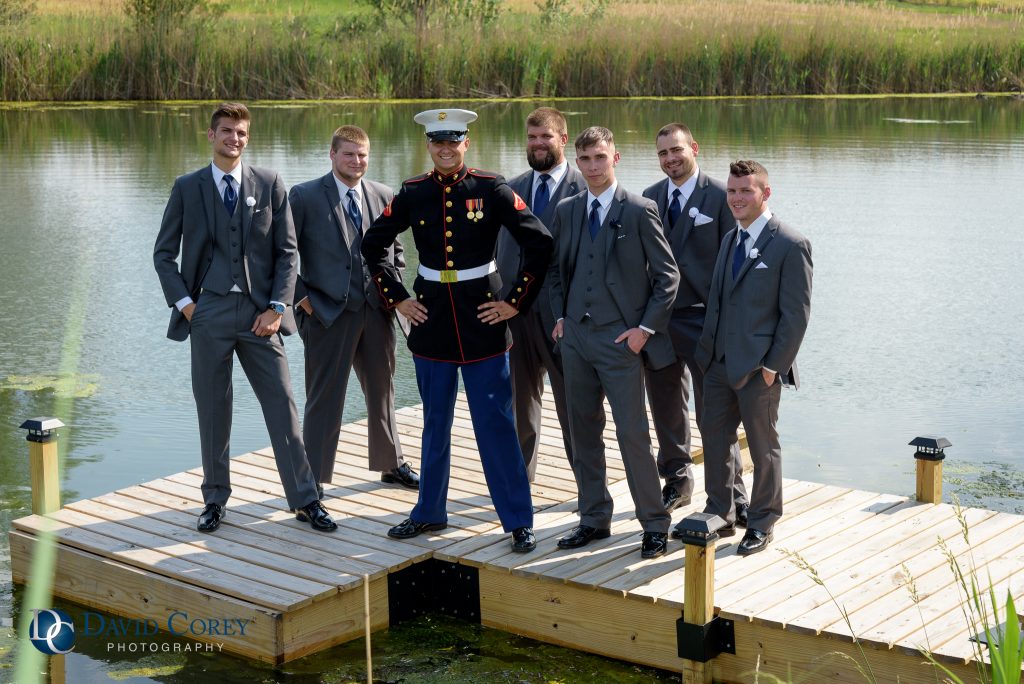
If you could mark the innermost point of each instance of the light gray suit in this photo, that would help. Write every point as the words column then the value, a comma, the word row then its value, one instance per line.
column 349, row 326
column 695, row 249
column 255, row 250
column 754, row 321
column 601, row 288
column 532, row 351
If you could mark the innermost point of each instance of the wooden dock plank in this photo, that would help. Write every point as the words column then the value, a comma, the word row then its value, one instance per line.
column 78, row 533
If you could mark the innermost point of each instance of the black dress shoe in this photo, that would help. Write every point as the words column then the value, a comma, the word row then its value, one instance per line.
column 581, row 536
column 672, row 499
column 408, row 529
column 403, row 475
column 754, row 541
column 727, row 531
column 210, row 518
column 523, row 540
column 654, row 545
column 316, row 515
column 741, row 515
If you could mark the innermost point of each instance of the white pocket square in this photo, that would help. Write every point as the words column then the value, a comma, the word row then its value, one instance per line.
column 761, row 265
column 701, row 219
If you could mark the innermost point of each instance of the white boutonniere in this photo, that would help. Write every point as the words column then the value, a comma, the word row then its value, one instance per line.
column 699, row 219
column 754, row 253
column 250, row 202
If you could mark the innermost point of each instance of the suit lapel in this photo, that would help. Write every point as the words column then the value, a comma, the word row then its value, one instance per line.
column 696, row 200
column 334, row 202
column 567, row 188
column 250, row 188
column 661, row 197
column 614, row 214
column 579, row 224
column 766, row 236
column 205, row 186
column 370, row 206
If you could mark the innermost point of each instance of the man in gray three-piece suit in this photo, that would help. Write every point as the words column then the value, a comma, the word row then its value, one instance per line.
column 757, row 314
column 549, row 180
column 232, row 226
column 613, row 281
column 341, row 319
column 696, row 217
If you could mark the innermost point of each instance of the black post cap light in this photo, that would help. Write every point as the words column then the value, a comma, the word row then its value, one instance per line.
column 930, row 448
column 700, row 529
column 41, row 429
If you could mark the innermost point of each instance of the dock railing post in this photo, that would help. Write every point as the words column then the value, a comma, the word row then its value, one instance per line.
column 42, row 463
column 929, row 456
column 700, row 634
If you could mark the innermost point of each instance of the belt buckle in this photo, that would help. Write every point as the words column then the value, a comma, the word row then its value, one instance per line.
column 449, row 276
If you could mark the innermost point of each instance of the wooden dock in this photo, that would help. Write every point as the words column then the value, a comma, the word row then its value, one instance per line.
column 135, row 552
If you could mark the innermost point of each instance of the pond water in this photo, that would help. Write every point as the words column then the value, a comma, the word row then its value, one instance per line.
column 910, row 204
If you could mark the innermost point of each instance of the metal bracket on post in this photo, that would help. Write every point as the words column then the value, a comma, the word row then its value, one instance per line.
column 701, row 643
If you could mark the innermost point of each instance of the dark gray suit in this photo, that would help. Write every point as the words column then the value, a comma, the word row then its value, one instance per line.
column 754, row 321
column 601, row 288
column 532, row 350
column 255, row 250
column 349, row 326
column 695, row 248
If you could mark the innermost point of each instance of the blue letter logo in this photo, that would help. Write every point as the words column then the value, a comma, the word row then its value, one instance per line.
column 51, row 631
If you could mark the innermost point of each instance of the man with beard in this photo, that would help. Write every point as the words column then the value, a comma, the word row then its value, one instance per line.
column 696, row 217
column 550, row 180
column 459, row 321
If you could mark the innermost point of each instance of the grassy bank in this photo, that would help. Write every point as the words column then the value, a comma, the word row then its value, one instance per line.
column 328, row 49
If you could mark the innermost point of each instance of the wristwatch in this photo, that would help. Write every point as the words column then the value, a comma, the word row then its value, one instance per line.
column 276, row 307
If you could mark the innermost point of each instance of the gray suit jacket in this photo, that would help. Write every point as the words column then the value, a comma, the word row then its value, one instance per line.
column 770, row 304
column 268, row 237
column 510, row 255
column 641, row 273
column 695, row 247
column 324, row 243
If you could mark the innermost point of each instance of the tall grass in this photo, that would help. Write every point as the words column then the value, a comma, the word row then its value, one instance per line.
column 636, row 49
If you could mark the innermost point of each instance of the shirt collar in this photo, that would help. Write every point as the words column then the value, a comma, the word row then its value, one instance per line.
column 687, row 188
column 236, row 174
column 557, row 173
column 605, row 198
column 343, row 189
column 754, row 231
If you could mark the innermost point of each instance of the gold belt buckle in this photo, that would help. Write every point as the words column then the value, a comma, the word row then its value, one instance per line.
column 449, row 276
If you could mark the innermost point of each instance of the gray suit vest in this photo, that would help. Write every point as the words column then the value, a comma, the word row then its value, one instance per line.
column 588, row 291
column 228, row 265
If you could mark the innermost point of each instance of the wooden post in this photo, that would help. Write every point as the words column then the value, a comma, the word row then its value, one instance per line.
column 42, row 461
column 929, row 457
column 699, row 603
column 929, row 481
column 698, row 630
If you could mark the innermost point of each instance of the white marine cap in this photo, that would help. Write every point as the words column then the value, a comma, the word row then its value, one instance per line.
column 446, row 124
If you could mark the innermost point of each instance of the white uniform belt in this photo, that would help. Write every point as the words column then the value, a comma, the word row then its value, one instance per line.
column 457, row 276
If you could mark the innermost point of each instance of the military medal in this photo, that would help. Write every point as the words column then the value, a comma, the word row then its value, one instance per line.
column 475, row 207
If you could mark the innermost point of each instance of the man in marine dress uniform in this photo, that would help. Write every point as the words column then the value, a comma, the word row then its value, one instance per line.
column 459, row 319
column 696, row 218
column 341, row 319
column 231, row 224
column 549, row 180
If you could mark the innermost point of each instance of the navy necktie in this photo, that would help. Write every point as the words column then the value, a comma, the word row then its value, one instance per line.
column 595, row 219
column 230, row 196
column 740, row 253
column 542, row 197
column 675, row 207
column 353, row 211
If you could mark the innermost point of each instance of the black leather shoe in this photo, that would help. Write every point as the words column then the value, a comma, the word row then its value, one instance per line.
column 403, row 475
column 523, row 540
column 210, row 518
column 581, row 536
column 316, row 515
column 727, row 531
column 672, row 499
column 408, row 529
column 654, row 545
column 753, row 542
column 741, row 515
